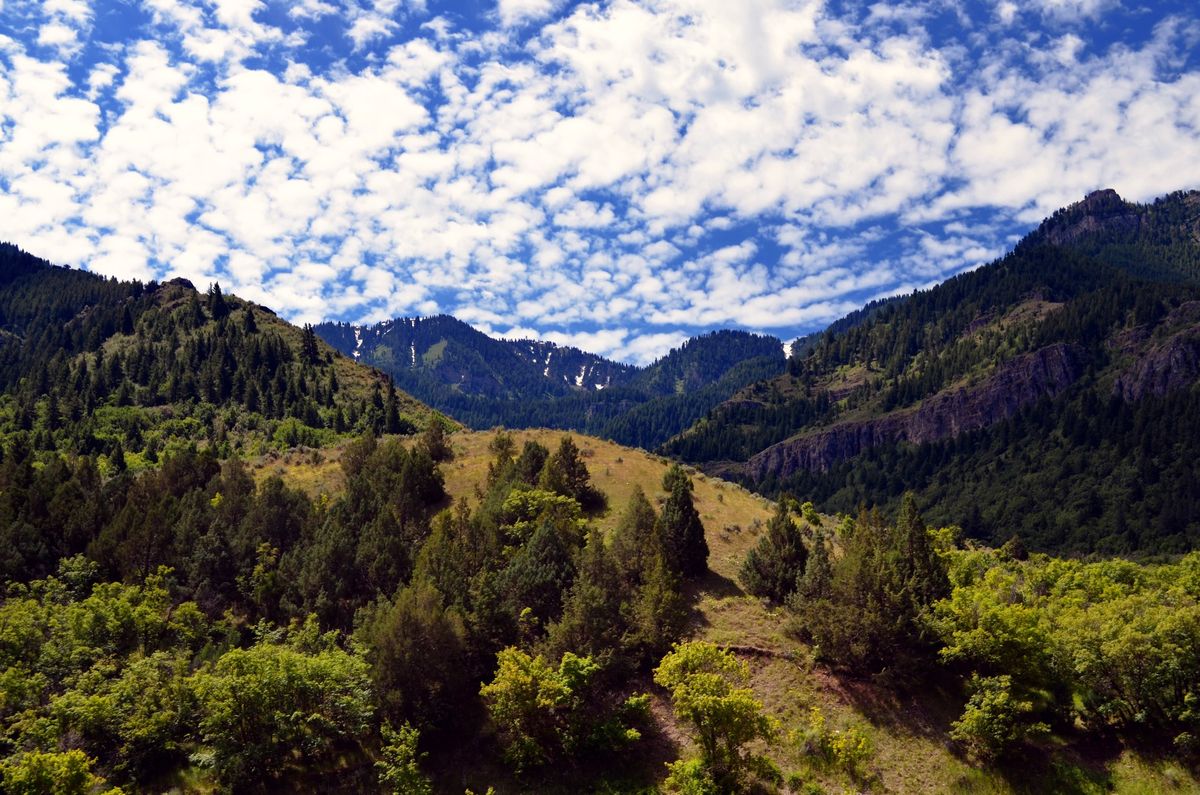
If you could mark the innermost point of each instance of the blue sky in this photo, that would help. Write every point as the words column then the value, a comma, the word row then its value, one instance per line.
column 616, row 175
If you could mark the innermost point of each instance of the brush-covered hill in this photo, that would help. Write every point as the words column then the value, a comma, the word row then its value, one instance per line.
column 485, row 382
column 838, row 730
column 1051, row 393
column 96, row 366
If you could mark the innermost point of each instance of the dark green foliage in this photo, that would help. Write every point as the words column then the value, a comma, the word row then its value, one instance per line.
column 682, row 533
column 592, row 622
column 1118, row 288
column 565, row 473
column 417, row 649
column 776, row 563
column 879, row 591
column 91, row 365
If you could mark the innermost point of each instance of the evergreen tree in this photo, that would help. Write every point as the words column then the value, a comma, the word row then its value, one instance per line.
column 774, row 565
column 684, row 545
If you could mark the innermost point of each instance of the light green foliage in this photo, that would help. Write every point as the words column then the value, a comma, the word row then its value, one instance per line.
column 399, row 769
column 263, row 704
column 690, row 777
column 994, row 720
column 1114, row 642
column 523, row 507
column 66, row 773
column 545, row 712
column 846, row 749
column 709, row 691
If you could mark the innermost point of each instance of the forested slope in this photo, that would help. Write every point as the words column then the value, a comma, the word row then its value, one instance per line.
column 1052, row 392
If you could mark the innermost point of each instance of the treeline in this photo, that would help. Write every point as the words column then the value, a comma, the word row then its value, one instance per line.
column 1040, row 645
column 190, row 618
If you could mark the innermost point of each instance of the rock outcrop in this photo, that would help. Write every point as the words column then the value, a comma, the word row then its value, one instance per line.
column 1169, row 365
column 1100, row 211
column 1016, row 383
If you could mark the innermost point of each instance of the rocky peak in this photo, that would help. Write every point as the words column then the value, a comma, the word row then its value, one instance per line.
column 1100, row 211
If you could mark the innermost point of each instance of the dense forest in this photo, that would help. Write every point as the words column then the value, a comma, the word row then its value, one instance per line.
column 123, row 371
column 947, row 393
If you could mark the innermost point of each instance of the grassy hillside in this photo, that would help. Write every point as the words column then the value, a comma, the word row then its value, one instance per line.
column 906, row 730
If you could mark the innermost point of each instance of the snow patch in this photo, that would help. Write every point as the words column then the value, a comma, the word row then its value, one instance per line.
column 579, row 378
column 787, row 350
column 357, row 342
column 412, row 348
column 546, row 372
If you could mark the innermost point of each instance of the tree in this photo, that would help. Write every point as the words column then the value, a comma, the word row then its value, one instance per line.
column 217, row 305
column 994, row 720
column 547, row 713
column 565, row 473
column 592, row 622
column 399, row 769
column 413, row 684
column 635, row 540
column 54, row 773
column 680, row 528
column 260, row 706
column 709, row 692
column 880, row 590
column 774, row 565
column 310, row 352
column 433, row 439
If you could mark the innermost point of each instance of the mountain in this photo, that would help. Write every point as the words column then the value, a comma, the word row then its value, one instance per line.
column 90, row 365
column 442, row 351
column 485, row 382
column 1051, row 393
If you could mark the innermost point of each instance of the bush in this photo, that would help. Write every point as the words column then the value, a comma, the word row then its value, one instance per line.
column 994, row 720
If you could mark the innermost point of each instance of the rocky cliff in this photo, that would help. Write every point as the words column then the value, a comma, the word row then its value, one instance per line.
column 1016, row 383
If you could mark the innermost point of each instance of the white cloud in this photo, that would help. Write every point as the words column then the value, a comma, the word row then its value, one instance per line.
column 679, row 164
column 517, row 12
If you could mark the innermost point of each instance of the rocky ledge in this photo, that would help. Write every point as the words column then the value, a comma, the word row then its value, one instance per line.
column 1016, row 383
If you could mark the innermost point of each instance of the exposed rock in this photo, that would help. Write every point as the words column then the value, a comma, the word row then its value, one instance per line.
column 1017, row 383
column 1102, row 210
column 1168, row 365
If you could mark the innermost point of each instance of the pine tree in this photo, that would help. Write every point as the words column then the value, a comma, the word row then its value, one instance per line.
column 774, row 565
column 685, row 547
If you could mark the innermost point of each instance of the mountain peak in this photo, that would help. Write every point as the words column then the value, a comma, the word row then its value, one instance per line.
column 1101, row 211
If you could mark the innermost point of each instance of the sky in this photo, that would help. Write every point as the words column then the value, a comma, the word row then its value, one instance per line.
column 617, row 175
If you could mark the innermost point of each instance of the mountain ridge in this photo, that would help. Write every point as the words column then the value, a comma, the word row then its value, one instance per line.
column 905, row 395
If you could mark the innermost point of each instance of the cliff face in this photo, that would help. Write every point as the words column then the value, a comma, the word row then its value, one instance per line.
column 1016, row 383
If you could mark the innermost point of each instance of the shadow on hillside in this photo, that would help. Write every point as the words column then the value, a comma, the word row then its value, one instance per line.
column 712, row 585
column 924, row 711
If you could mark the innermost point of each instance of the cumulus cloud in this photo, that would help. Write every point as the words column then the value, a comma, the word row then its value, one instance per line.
column 613, row 176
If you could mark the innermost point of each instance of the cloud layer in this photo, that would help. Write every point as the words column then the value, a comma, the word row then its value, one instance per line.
column 614, row 175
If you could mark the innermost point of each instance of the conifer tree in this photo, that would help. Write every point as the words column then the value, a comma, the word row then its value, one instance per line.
column 682, row 532
column 774, row 565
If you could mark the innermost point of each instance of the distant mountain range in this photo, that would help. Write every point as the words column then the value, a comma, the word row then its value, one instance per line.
column 485, row 382
column 1052, row 393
